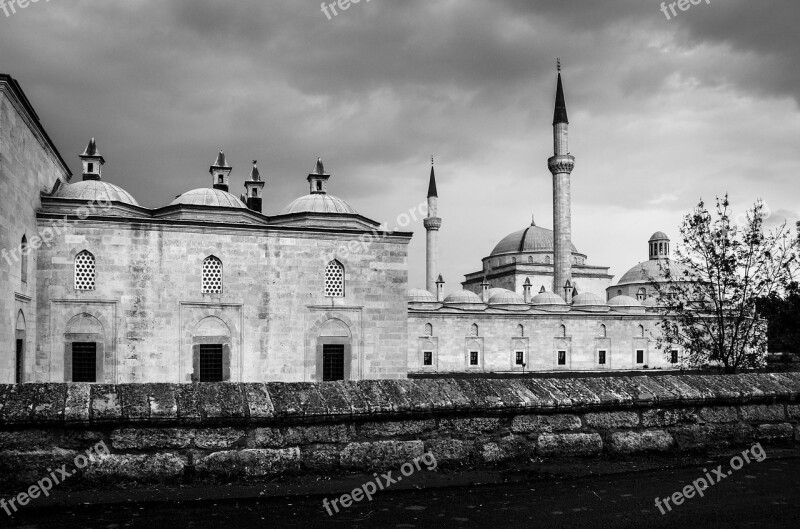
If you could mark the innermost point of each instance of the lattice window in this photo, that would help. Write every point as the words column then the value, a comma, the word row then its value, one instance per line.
column 24, row 261
column 473, row 331
column 520, row 330
column 428, row 329
column 212, row 275
column 334, row 280
column 84, row 271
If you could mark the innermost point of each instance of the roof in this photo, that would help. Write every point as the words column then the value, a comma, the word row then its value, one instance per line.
column 418, row 295
column 209, row 197
column 547, row 298
column 530, row 239
column 505, row 297
column 560, row 114
column 95, row 190
column 463, row 296
column 641, row 272
column 318, row 203
column 588, row 299
column 221, row 161
column 432, row 192
column 659, row 236
column 319, row 168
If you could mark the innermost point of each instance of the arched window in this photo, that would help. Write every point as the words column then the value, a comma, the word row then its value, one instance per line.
column 334, row 280
column 546, row 259
column 212, row 275
column 255, row 192
column 530, row 258
column 473, row 330
column 220, row 179
column 641, row 294
column 520, row 330
column 24, row 259
column 428, row 329
column 319, row 186
column 641, row 331
column 84, row 271
column 563, row 331
column 603, row 332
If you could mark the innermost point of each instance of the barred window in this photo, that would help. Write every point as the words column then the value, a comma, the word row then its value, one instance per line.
column 473, row 331
column 212, row 275
column 334, row 280
column 520, row 331
column 84, row 271
column 428, row 329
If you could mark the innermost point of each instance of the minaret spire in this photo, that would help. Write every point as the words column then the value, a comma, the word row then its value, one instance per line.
column 92, row 161
column 254, row 189
column 432, row 224
column 561, row 165
column 220, row 171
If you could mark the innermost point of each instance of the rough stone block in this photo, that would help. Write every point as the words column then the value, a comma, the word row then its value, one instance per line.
column 222, row 401
column 77, row 407
column 267, row 438
column 217, row 438
column 793, row 412
column 337, row 400
column 611, row 391
column 140, row 468
column 299, row 399
column 452, row 391
column 250, row 463
column 719, row 414
column 668, row 417
column 19, row 404
column 418, row 399
column 612, row 419
column 569, row 444
column 763, row 412
column 25, row 468
column 451, row 451
column 373, row 430
column 470, row 425
column 305, row 435
column 150, row 438
column 49, row 404
column 135, row 402
column 259, row 405
column 320, row 458
column 187, row 399
column 439, row 400
column 106, row 404
column 163, row 404
column 772, row 432
column 545, row 423
column 640, row 441
column 26, row 440
column 712, row 436
column 509, row 448
column 379, row 455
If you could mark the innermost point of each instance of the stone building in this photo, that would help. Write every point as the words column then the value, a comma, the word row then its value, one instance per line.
column 97, row 288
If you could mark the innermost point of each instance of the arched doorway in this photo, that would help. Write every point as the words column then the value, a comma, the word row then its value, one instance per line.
column 211, row 351
column 334, row 351
column 84, row 348
column 19, row 361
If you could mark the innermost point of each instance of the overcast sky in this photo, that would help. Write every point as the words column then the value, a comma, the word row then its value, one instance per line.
column 662, row 112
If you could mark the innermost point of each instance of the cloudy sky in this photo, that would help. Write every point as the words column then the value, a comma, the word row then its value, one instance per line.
column 662, row 112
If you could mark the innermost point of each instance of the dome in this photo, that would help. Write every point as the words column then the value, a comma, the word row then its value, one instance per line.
column 588, row 299
column 418, row 295
column 531, row 239
column 318, row 203
column 209, row 197
column 659, row 236
column 547, row 298
column 643, row 271
column 463, row 296
column 650, row 303
column 95, row 190
column 623, row 302
column 505, row 297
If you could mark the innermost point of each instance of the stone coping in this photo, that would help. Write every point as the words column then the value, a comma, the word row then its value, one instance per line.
column 276, row 402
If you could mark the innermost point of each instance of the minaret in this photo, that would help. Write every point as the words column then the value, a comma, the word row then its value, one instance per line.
column 220, row 172
column 92, row 162
column 254, row 189
column 432, row 224
column 561, row 165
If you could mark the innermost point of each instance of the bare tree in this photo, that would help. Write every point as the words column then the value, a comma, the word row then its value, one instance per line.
column 709, row 300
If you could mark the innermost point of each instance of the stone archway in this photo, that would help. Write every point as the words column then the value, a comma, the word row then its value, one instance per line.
column 334, row 351
column 21, row 345
column 211, row 351
column 84, row 349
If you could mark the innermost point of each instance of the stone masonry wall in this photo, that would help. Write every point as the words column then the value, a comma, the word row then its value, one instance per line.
column 235, row 432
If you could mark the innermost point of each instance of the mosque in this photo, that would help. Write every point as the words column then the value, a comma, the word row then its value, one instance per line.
column 96, row 288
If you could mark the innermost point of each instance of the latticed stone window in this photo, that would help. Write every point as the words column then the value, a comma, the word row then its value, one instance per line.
column 428, row 329
column 334, row 280
column 473, row 330
column 84, row 271
column 212, row 275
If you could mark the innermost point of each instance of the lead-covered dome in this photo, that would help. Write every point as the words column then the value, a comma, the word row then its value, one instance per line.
column 95, row 190
column 530, row 239
column 418, row 295
column 505, row 297
column 547, row 298
column 209, row 197
column 642, row 272
column 318, row 203
column 588, row 299
column 463, row 297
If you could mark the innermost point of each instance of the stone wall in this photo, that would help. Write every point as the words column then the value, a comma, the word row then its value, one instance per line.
column 232, row 432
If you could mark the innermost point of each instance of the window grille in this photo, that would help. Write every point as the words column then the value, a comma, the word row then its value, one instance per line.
column 334, row 280
column 212, row 275
column 211, row 363
column 84, row 362
column 84, row 271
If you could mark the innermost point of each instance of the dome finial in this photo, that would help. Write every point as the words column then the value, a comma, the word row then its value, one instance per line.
column 558, row 63
column 533, row 219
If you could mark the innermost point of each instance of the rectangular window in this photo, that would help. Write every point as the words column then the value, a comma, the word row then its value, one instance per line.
column 562, row 358
column 427, row 358
column 520, row 358
column 473, row 358
column 20, row 366
column 601, row 358
column 640, row 356
column 674, row 356
column 84, row 362
column 332, row 362
column 211, row 363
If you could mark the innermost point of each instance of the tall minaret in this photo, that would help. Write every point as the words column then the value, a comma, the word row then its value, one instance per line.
column 561, row 165
column 432, row 224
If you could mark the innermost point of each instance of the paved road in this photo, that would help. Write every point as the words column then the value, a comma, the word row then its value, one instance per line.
column 763, row 494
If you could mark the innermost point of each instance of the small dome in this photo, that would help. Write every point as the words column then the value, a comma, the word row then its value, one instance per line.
column 95, row 190
column 530, row 239
column 643, row 271
column 418, row 295
column 209, row 197
column 547, row 298
column 505, row 297
column 651, row 303
column 623, row 302
column 463, row 296
column 588, row 299
column 318, row 203
column 659, row 236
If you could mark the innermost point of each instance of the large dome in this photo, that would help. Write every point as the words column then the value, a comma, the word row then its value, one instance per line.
column 530, row 239
column 318, row 203
column 95, row 190
column 209, row 197
column 643, row 271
